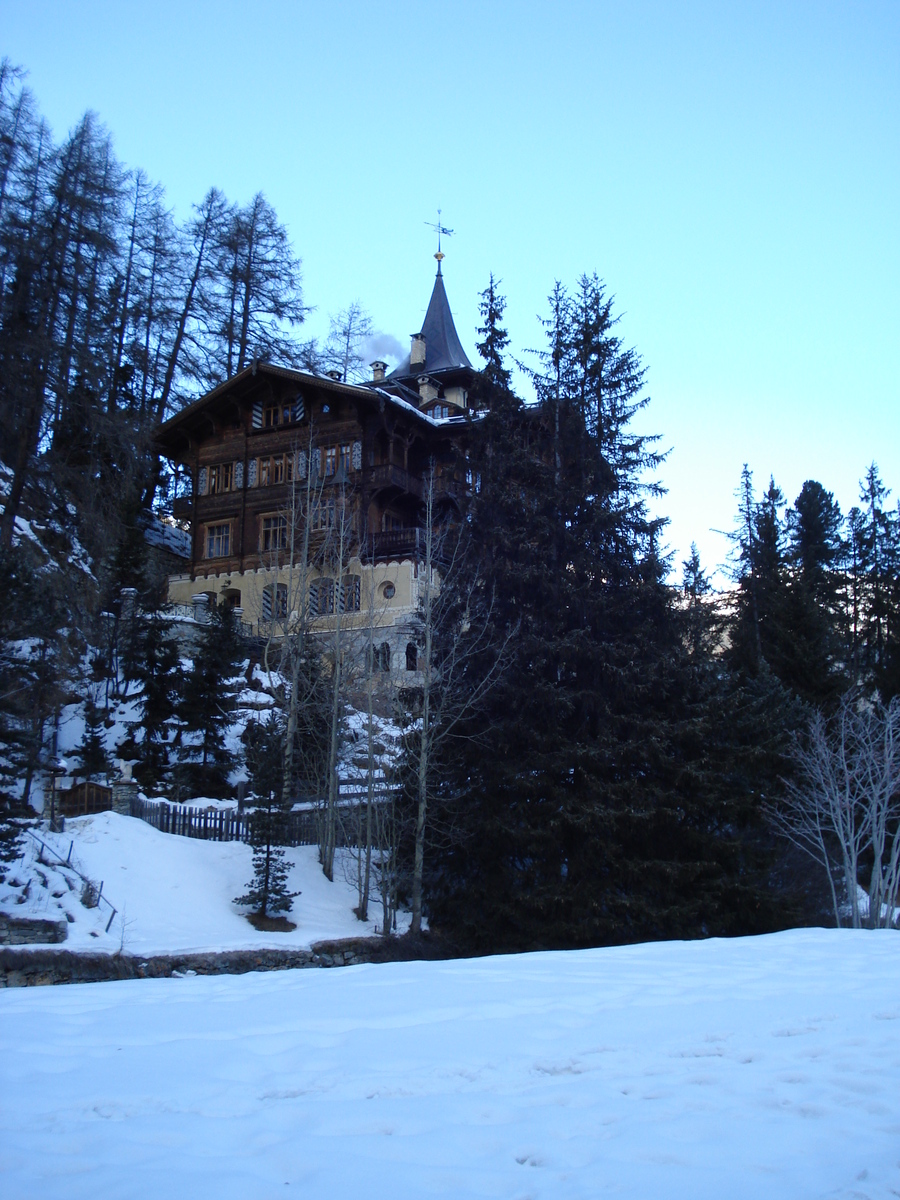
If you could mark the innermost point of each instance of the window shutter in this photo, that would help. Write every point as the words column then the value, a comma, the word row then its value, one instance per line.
column 267, row 604
column 299, row 409
column 251, row 473
column 317, row 461
column 238, row 476
column 201, row 483
column 357, row 456
column 301, row 464
column 314, row 598
column 257, row 414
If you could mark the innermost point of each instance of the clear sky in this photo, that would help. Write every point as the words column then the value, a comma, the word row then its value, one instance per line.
column 732, row 171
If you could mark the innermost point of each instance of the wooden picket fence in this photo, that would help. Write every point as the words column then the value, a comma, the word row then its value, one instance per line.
column 231, row 825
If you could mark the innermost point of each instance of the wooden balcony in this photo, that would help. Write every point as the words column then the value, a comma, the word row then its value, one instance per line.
column 393, row 543
column 391, row 475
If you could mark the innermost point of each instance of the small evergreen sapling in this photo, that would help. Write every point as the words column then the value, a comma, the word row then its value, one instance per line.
column 268, row 891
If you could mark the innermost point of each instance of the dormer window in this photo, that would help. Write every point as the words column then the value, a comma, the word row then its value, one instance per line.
column 440, row 412
column 277, row 414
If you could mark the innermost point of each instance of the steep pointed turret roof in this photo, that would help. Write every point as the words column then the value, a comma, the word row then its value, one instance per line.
column 443, row 349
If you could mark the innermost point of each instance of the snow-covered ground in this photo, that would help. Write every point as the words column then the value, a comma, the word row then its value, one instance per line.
column 174, row 894
column 754, row 1069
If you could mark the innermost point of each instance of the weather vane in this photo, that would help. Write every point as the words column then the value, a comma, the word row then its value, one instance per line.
column 439, row 229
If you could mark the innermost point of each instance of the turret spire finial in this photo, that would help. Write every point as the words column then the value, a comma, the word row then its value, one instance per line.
column 439, row 229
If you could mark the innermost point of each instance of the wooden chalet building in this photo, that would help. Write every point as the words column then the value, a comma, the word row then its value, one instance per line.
column 273, row 463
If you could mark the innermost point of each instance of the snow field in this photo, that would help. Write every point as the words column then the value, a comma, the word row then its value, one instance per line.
column 717, row 1070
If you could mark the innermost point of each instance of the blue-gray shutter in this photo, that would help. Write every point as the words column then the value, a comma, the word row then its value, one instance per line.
column 201, row 483
column 251, row 473
column 238, row 475
column 317, row 461
column 301, row 464
column 357, row 456
column 257, row 414
column 267, row 604
column 299, row 408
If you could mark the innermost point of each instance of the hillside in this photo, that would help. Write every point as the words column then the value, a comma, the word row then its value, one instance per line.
column 172, row 894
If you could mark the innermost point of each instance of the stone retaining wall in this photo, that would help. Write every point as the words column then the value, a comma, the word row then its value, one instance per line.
column 29, row 931
column 29, row 968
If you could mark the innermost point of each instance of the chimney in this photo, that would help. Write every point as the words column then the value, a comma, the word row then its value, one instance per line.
column 378, row 370
column 428, row 389
column 417, row 353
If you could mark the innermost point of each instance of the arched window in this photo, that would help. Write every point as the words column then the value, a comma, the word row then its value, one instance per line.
column 412, row 656
column 350, row 593
column 383, row 657
column 321, row 597
column 274, row 602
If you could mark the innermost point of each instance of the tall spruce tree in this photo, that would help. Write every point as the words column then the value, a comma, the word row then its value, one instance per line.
column 207, row 706
column 816, row 671
column 588, row 804
column 155, row 669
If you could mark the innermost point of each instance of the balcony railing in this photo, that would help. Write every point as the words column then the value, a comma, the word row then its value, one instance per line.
column 393, row 543
column 390, row 475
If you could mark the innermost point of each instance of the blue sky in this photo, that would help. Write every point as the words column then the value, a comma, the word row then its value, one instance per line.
column 731, row 170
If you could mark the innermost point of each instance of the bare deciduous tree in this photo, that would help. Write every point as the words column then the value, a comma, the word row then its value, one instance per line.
column 843, row 807
column 456, row 631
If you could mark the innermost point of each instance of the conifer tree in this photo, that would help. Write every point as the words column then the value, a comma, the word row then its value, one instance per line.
column 155, row 670
column 268, row 891
column 206, row 707
column 610, row 789
column 874, row 571
column 815, row 670
column 91, row 756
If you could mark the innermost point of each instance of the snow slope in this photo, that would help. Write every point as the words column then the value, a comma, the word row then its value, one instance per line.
column 176, row 894
column 719, row 1070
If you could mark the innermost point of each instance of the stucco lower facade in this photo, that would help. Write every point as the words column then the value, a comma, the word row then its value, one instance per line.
column 382, row 597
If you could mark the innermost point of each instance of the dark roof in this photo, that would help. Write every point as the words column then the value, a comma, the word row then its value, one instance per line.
column 167, row 434
column 443, row 349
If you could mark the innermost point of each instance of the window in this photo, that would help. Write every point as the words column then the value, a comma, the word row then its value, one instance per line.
column 321, row 597
column 412, row 656
column 277, row 414
column 277, row 468
column 390, row 521
column 274, row 533
column 440, row 411
column 348, row 455
column 323, row 512
column 220, row 478
column 274, row 602
column 218, row 541
column 350, row 592
column 383, row 657
column 388, row 590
